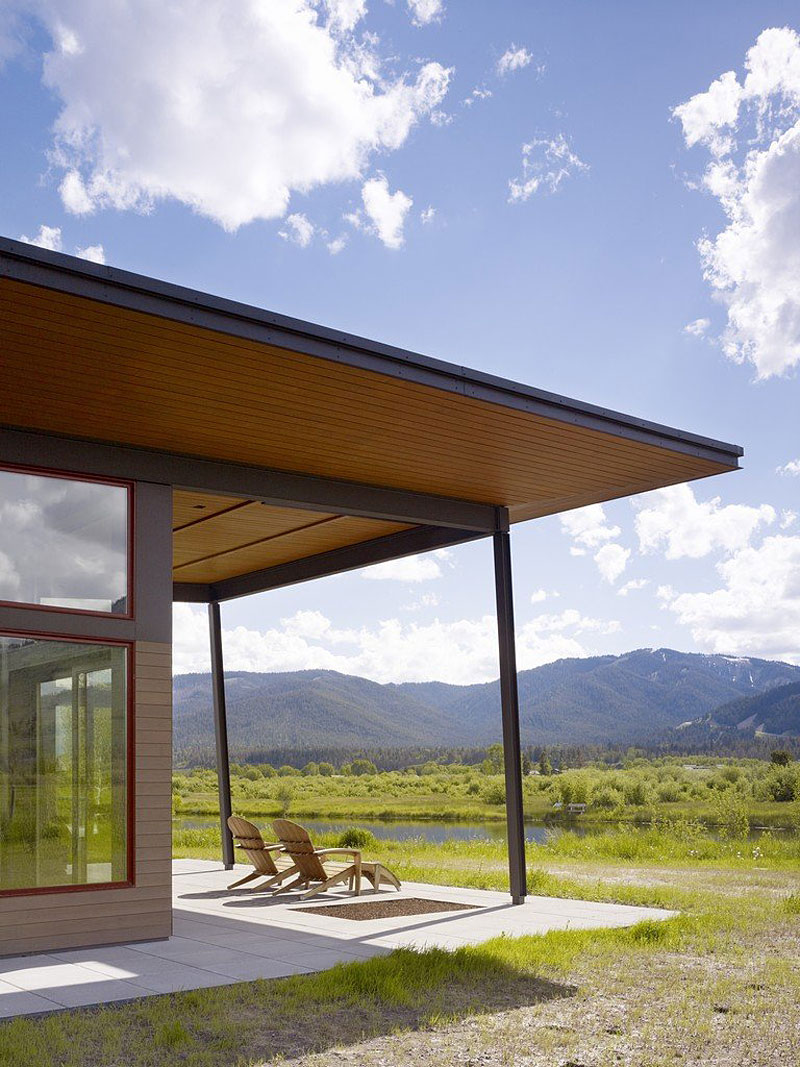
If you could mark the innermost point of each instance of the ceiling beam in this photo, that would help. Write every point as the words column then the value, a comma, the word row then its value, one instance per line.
column 279, row 488
column 336, row 561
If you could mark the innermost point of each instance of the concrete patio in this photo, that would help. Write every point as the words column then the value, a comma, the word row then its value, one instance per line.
column 223, row 937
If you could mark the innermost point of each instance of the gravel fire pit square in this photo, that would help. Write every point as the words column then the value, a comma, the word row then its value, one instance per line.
column 389, row 908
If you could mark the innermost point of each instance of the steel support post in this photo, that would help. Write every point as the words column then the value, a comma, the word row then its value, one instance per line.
column 509, row 700
column 221, row 732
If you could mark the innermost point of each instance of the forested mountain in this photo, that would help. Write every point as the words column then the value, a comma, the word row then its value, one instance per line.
column 603, row 699
column 775, row 712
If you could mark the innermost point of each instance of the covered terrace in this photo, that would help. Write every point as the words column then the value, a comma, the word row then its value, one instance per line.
column 262, row 451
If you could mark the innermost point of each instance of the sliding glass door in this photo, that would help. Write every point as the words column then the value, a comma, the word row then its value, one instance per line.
column 63, row 763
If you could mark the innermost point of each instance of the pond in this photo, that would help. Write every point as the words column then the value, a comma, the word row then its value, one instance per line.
column 435, row 831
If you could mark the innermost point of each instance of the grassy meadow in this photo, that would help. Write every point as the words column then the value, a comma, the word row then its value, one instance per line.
column 716, row 984
column 722, row 793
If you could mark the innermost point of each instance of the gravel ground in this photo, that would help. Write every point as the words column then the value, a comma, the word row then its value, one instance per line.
column 388, row 909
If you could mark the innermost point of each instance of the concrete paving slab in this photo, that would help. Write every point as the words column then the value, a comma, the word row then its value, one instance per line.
column 221, row 937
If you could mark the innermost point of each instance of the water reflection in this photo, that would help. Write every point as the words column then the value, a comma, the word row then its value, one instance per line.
column 439, row 832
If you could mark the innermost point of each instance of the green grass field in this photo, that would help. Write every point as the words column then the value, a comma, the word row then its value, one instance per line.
column 719, row 793
column 691, row 990
column 718, row 984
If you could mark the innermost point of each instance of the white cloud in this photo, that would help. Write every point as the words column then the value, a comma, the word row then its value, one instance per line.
column 590, row 531
column 384, row 213
column 424, row 12
column 460, row 652
column 672, row 519
column 346, row 13
column 336, row 245
column 427, row 215
column 756, row 610
column 409, row 569
column 632, row 586
column 540, row 595
column 226, row 107
column 94, row 253
column 48, row 237
column 478, row 93
column 588, row 526
column 792, row 467
column 427, row 600
column 546, row 163
column 611, row 561
column 299, row 230
column 513, row 59
column 788, row 518
column 698, row 328
column 751, row 129
column 12, row 33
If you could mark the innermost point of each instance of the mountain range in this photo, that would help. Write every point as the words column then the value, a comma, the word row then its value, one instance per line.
column 632, row 698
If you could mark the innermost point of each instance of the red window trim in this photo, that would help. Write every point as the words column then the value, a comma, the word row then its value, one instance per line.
column 75, row 476
column 130, row 765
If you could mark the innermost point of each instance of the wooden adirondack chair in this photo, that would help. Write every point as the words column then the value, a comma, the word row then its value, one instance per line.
column 248, row 838
column 313, row 864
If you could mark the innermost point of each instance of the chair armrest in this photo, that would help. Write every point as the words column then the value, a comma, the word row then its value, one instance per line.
column 263, row 848
column 354, row 852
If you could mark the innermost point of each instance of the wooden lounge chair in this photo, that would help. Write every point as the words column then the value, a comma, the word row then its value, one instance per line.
column 248, row 838
column 313, row 864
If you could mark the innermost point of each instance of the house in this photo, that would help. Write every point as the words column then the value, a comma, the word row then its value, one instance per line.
column 159, row 444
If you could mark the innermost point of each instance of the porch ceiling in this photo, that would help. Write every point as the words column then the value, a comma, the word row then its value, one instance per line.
column 218, row 537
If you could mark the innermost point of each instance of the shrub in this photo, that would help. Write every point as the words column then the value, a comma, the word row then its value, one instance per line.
column 730, row 809
column 363, row 766
column 326, row 769
column 355, row 837
column 284, row 796
column 669, row 792
column 780, row 757
column 286, row 770
column 783, row 784
column 473, row 789
column 494, row 793
column 638, row 792
column 311, row 769
column 608, row 797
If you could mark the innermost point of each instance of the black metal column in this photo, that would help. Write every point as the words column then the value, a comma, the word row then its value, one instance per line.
column 221, row 732
column 509, row 700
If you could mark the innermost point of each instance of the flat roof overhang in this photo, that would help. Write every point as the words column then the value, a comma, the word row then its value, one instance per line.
column 294, row 450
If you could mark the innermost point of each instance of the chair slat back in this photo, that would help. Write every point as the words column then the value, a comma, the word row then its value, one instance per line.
column 298, row 844
column 248, row 838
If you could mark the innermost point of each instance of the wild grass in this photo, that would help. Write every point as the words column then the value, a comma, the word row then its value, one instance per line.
column 405, row 992
column 719, row 793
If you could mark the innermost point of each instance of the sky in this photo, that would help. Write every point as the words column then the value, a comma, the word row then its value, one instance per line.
column 601, row 200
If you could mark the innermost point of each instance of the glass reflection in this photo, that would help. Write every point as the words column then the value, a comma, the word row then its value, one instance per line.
column 63, row 791
column 63, row 543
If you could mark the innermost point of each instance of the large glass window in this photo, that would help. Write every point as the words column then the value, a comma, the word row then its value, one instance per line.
column 63, row 543
column 63, row 766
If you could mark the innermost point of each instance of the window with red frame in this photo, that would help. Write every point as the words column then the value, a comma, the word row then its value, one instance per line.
column 63, row 763
column 64, row 542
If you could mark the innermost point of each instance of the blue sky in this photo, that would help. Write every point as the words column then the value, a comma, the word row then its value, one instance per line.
column 504, row 185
